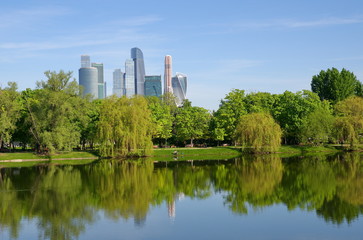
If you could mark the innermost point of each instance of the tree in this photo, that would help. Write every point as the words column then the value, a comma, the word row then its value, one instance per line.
column 230, row 110
column 125, row 127
column 54, row 113
column 259, row 102
column 9, row 112
column 191, row 122
column 162, row 118
column 349, row 121
column 260, row 132
column 335, row 86
column 318, row 126
column 291, row 109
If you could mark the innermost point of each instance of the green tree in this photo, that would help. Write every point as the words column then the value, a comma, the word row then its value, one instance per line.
column 125, row 127
column 259, row 102
column 291, row 110
column 231, row 109
column 260, row 132
column 9, row 112
column 54, row 113
column 349, row 121
column 191, row 122
column 318, row 126
column 162, row 118
column 336, row 86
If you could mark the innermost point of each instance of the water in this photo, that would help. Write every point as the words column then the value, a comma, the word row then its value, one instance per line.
column 264, row 197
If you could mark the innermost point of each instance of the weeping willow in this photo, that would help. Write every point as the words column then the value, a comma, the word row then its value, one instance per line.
column 259, row 132
column 125, row 127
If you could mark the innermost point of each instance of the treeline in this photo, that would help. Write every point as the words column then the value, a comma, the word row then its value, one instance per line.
column 55, row 117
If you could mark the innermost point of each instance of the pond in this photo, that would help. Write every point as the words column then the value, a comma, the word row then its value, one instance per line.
column 252, row 197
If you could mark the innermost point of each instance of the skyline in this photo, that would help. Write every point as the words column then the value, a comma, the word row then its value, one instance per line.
column 251, row 45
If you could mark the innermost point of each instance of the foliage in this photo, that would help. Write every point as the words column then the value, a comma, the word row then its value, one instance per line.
column 260, row 132
column 162, row 118
column 349, row 121
column 318, row 126
column 9, row 112
column 125, row 127
column 291, row 111
column 191, row 122
column 231, row 109
column 336, row 86
column 55, row 113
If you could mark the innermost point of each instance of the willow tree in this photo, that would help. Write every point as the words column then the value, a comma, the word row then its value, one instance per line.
column 259, row 131
column 125, row 127
column 349, row 121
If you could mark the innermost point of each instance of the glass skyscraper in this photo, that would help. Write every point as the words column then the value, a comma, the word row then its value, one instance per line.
column 129, row 78
column 118, row 83
column 138, row 58
column 153, row 85
column 179, row 83
column 88, row 77
column 100, row 80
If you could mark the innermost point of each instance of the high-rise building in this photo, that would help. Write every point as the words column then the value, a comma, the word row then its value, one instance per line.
column 167, row 75
column 100, row 80
column 118, row 83
column 88, row 77
column 138, row 58
column 153, row 85
column 179, row 83
column 129, row 78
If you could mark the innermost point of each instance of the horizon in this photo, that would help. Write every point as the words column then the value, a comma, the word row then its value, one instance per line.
column 256, row 46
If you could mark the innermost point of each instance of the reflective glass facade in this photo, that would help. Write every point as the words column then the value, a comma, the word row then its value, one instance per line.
column 88, row 80
column 153, row 86
column 179, row 83
column 118, row 83
column 138, row 58
column 129, row 78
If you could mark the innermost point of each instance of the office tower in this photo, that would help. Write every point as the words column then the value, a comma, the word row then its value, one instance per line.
column 88, row 77
column 100, row 80
column 179, row 83
column 85, row 61
column 118, row 83
column 138, row 58
column 153, row 85
column 129, row 78
column 167, row 75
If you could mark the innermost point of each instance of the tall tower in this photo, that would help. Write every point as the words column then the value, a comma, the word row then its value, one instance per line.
column 100, row 80
column 118, row 83
column 88, row 77
column 129, row 78
column 167, row 75
column 179, row 83
column 138, row 58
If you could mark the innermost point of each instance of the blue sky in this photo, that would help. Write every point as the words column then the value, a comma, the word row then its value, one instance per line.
column 269, row 46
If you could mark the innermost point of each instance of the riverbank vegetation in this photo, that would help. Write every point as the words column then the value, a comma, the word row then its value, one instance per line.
column 54, row 117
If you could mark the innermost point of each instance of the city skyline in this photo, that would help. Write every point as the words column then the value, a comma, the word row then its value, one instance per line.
column 252, row 45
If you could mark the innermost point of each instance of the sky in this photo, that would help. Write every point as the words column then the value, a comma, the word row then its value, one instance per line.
column 257, row 45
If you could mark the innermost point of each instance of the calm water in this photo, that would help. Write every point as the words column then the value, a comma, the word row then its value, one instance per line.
column 265, row 197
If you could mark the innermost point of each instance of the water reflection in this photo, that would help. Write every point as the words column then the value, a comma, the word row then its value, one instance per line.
column 65, row 199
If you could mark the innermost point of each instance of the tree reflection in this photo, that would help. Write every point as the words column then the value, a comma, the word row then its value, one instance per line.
column 63, row 200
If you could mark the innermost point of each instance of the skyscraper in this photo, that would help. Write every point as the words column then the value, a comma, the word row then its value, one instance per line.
column 88, row 77
column 179, row 88
column 153, row 85
column 138, row 58
column 100, row 80
column 167, row 75
column 129, row 78
column 118, row 83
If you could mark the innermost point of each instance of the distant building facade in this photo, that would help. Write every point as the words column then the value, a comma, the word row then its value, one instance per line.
column 129, row 78
column 88, row 77
column 118, row 83
column 153, row 85
column 100, row 80
column 168, row 74
column 179, row 84
column 139, row 69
